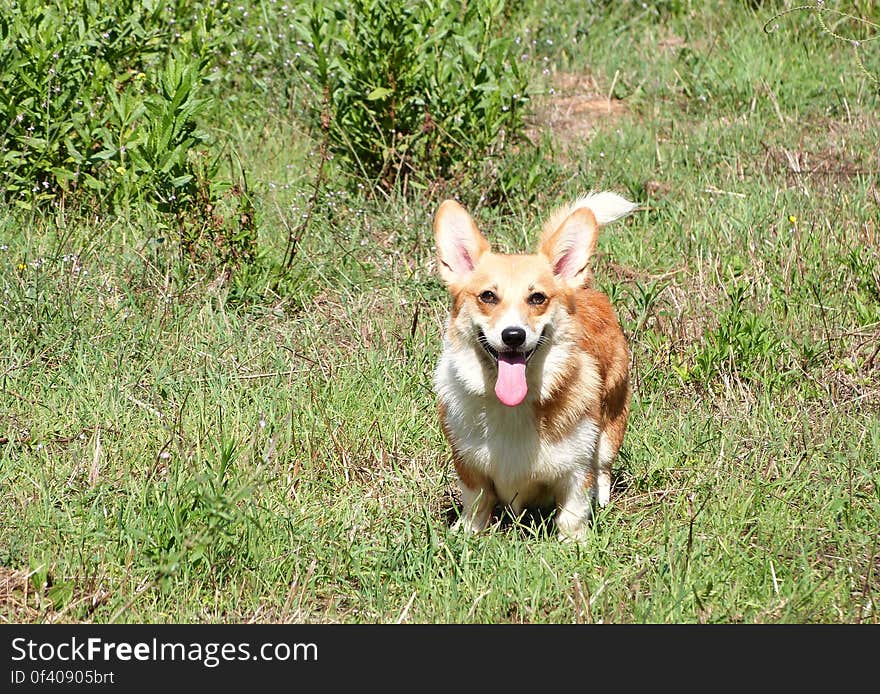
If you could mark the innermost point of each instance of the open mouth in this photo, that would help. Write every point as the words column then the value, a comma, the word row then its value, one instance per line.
column 514, row 354
column 511, row 384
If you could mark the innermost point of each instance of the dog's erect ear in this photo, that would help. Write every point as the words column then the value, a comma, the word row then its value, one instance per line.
column 570, row 247
column 459, row 242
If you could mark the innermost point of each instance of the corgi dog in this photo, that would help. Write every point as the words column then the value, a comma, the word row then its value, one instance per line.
column 533, row 377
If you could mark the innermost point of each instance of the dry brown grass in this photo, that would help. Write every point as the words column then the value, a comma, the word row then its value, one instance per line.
column 15, row 597
column 572, row 110
column 23, row 603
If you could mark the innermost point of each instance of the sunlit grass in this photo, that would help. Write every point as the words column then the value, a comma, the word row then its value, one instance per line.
column 183, row 446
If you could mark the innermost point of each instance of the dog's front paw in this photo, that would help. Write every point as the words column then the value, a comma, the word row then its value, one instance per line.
column 573, row 535
column 573, row 518
column 469, row 525
column 459, row 526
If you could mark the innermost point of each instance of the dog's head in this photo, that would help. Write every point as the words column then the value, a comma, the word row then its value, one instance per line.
column 509, row 307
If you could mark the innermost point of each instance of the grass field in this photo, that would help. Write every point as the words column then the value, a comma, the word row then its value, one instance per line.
column 178, row 446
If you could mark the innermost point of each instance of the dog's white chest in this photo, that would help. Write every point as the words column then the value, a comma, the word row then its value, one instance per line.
column 504, row 444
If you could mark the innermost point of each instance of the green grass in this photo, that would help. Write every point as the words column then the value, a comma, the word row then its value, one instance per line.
column 176, row 446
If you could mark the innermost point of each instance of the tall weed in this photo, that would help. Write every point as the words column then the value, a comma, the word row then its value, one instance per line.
column 100, row 107
column 413, row 92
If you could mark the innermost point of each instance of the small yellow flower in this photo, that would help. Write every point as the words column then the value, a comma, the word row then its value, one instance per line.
column 22, row 267
column 120, row 170
column 792, row 219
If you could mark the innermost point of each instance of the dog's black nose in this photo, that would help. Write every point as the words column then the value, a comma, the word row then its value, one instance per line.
column 513, row 337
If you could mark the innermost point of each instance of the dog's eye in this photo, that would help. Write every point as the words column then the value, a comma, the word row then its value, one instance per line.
column 536, row 299
column 488, row 297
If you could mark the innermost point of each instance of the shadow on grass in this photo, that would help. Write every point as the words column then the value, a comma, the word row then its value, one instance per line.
column 536, row 523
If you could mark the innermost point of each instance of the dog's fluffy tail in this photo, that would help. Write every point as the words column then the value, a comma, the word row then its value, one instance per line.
column 605, row 206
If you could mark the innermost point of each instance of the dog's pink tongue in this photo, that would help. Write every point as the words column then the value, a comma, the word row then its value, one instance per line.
column 511, row 385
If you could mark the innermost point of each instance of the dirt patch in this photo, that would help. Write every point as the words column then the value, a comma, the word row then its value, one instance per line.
column 826, row 167
column 671, row 43
column 572, row 109
column 830, row 154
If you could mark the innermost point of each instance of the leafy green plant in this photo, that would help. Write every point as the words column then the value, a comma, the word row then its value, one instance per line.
column 742, row 344
column 201, row 521
column 103, row 111
column 55, row 77
column 402, row 88
column 215, row 218
column 526, row 171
